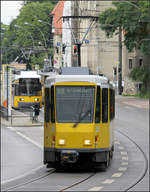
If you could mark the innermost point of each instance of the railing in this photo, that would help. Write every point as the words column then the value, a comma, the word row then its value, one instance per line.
column 19, row 118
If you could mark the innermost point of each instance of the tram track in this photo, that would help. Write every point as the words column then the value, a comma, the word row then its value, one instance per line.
column 145, row 164
column 87, row 177
column 30, row 181
column 79, row 182
column 46, row 175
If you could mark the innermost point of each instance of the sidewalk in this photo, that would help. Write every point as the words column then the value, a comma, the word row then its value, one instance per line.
column 20, row 119
column 131, row 100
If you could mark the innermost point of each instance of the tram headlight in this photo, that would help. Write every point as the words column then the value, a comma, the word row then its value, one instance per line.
column 21, row 99
column 36, row 99
column 87, row 142
column 61, row 142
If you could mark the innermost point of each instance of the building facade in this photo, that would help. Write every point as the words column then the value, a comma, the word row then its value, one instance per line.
column 57, row 13
column 98, row 52
column 101, row 54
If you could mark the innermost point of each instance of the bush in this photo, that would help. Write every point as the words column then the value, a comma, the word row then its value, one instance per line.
column 141, row 73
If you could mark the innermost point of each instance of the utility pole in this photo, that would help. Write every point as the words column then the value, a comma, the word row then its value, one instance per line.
column 120, row 62
column 79, row 53
column 79, row 43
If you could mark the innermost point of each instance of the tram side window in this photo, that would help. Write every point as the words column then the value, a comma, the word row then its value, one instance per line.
column 97, row 112
column 17, row 90
column 52, row 105
column 47, row 104
column 104, row 105
column 112, row 104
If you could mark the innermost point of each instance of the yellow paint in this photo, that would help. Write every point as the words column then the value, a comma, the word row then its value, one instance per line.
column 75, row 83
column 26, row 99
column 74, row 137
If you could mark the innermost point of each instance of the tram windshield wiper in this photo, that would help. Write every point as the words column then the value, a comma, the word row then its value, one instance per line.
column 81, row 117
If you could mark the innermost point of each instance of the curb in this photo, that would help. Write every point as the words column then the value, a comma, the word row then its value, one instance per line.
column 7, row 123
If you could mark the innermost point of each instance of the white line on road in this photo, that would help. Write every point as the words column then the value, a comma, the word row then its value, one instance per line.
column 125, row 158
column 122, row 169
column 123, row 153
column 116, row 174
column 120, row 147
column 23, row 175
column 108, row 181
column 30, row 140
column 117, row 142
column 124, row 163
column 95, row 188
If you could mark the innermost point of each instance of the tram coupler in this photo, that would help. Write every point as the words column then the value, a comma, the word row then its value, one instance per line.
column 69, row 156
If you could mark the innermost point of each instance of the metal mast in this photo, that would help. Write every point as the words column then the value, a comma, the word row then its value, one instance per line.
column 79, row 43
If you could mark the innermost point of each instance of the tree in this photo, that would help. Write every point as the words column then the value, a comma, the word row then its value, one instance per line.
column 19, row 35
column 141, row 74
column 133, row 19
column 40, row 1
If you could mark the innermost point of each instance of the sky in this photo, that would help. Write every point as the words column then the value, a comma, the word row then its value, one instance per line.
column 9, row 10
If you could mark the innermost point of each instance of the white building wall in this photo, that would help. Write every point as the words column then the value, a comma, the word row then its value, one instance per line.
column 66, row 35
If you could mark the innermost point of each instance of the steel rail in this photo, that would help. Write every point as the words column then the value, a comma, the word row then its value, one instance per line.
column 30, row 181
column 145, row 164
column 79, row 182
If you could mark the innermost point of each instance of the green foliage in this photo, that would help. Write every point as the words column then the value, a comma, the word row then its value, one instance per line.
column 19, row 35
column 133, row 18
column 141, row 74
column 40, row 1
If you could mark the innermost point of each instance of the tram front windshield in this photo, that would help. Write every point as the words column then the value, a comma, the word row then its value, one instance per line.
column 75, row 104
column 29, row 87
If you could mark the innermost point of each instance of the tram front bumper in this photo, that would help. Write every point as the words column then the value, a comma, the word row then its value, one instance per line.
column 28, row 104
column 69, row 156
column 74, row 155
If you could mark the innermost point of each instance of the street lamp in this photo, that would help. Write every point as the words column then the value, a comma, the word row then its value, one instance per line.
column 40, row 32
column 51, row 29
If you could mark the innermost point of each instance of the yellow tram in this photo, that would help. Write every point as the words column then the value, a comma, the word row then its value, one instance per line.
column 78, row 125
column 26, row 90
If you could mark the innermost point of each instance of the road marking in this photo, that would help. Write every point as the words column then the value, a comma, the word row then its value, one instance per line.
column 120, row 147
column 23, row 175
column 125, row 158
column 116, row 174
column 108, row 181
column 123, row 153
column 95, row 188
column 117, row 142
column 124, row 163
column 122, row 169
column 30, row 140
column 11, row 128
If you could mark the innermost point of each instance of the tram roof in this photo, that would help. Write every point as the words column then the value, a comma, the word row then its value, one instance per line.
column 99, row 80
column 27, row 74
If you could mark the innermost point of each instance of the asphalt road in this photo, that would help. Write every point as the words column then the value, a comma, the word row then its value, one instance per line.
column 18, row 156
column 128, row 171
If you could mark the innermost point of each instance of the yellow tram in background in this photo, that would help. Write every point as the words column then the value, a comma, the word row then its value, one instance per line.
column 78, row 125
column 26, row 90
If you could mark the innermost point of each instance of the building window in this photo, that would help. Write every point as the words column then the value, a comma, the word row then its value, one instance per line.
column 140, row 62
column 130, row 63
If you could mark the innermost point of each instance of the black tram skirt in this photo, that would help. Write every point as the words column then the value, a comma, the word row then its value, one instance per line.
column 75, row 155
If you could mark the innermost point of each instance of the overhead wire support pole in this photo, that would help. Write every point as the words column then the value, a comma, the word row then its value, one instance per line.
column 87, row 30
column 79, row 43
column 120, row 62
column 72, row 32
